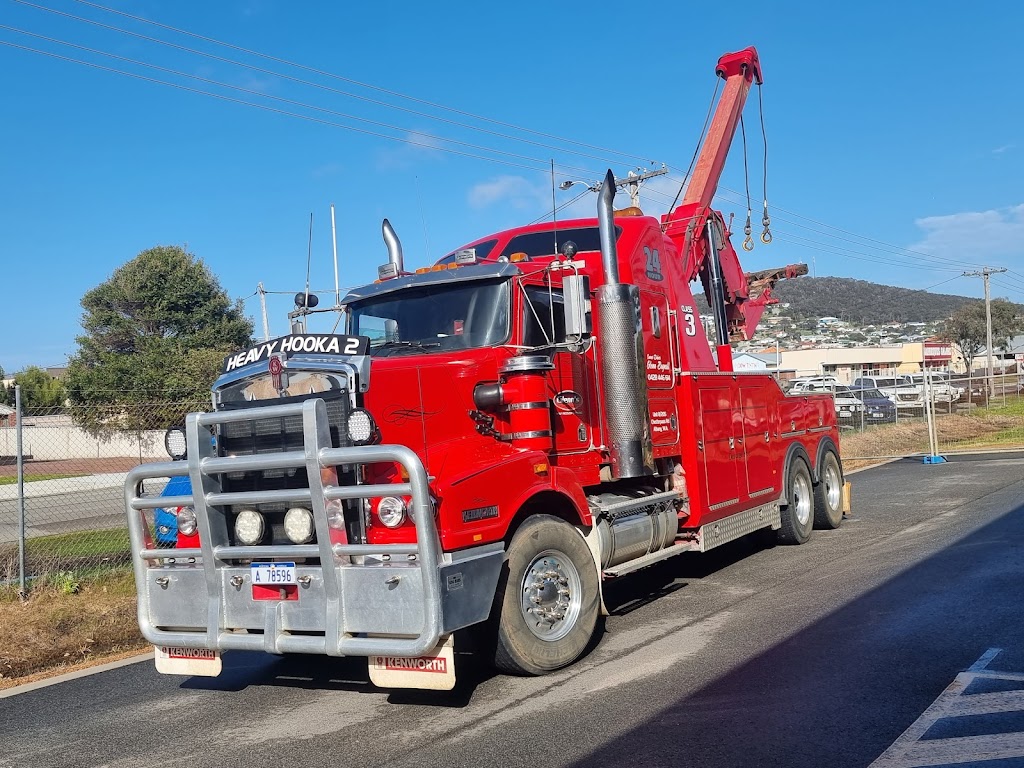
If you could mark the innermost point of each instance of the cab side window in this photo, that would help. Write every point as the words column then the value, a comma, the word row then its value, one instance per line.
column 544, row 317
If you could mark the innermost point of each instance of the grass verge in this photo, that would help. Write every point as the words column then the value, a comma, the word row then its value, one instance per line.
column 57, row 628
column 983, row 428
column 84, row 552
column 12, row 479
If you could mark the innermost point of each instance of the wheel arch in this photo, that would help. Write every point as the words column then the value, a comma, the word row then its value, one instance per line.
column 826, row 444
column 796, row 451
column 548, row 502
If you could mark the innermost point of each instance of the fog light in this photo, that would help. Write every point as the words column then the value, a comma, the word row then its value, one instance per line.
column 298, row 525
column 187, row 524
column 361, row 427
column 249, row 527
column 174, row 442
column 391, row 511
column 336, row 514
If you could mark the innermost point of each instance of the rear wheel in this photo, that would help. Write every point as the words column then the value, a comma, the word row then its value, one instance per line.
column 549, row 605
column 798, row 514
column 828, row 494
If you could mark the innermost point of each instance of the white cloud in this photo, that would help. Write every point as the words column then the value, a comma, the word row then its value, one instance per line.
column 514, row 191
column 973, row 235
column 1002, row 149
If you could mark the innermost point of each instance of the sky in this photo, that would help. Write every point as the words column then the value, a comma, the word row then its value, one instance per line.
column 894, row 137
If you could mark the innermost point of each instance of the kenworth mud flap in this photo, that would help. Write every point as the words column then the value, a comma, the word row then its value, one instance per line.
column 392, row 601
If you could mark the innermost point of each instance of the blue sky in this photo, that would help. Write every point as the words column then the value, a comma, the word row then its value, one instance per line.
column 894, row 137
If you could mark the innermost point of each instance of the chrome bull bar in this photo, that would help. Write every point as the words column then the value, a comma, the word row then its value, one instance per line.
column 339, row 637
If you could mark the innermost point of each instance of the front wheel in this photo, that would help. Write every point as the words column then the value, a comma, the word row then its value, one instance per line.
column 550, row 602
column 828, row 495
column 797, row 515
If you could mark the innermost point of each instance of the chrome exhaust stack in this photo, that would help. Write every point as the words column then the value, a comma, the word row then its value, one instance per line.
column 394, row 247
column 623, row 382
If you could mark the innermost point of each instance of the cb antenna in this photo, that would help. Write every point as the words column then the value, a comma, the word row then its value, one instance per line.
column 554, row 208
column 309, row 256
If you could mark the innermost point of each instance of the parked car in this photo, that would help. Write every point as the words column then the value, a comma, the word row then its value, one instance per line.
column 165, row 521
column 941, row 391
column 878, row 409
column 810, row 383
column 907, row 398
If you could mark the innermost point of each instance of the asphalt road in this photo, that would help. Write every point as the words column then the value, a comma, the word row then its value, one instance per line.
column 819, row 655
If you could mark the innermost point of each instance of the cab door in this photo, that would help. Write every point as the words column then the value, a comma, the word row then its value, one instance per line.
column 571, row 385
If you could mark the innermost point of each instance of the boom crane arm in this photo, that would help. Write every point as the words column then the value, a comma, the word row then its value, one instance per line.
column 701, row 234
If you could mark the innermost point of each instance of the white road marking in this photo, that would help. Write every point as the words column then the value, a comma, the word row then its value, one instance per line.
column 909, row 751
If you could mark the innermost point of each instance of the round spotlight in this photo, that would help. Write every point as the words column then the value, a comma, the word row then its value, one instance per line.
column 361, row 427
column 174, row 442
column 249, row 527
column 187, row 523
column 391, row 511
column 298, row 525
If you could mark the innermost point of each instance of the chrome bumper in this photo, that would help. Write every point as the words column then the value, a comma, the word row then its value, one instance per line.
column 398, row 601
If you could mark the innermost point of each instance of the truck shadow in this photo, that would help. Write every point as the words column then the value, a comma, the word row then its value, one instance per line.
column 244, row 669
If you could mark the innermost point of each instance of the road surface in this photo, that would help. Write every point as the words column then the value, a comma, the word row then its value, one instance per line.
column 819, row 655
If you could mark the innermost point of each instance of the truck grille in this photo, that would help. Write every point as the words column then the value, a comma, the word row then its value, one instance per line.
column 245, row 438
column 256, row 436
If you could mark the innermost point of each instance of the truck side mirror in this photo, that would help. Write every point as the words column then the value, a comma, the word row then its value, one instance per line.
column 576, row 296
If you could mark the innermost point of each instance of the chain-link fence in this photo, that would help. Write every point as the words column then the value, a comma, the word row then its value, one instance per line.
column 886, row 414
column 62, row 474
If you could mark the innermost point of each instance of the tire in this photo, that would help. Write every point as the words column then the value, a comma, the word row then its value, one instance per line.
column 548, row 569
column 828, row 493
column 798, row 514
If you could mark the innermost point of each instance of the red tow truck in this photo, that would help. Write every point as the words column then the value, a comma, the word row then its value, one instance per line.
column 493, row 439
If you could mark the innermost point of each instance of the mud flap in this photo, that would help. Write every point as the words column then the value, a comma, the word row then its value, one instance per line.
column 434, row 671
column 201, row 662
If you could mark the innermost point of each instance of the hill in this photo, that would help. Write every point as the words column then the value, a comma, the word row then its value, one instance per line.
column 863, row 303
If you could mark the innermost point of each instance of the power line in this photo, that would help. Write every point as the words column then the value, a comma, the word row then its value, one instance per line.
column 898, row 251
column 265, row 107
column 281, row 99
column 331, row 75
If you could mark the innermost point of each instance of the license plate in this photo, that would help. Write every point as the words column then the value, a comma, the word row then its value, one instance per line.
column 844, row 413
column 877, row 415
column 187, row 661
column 273, row 574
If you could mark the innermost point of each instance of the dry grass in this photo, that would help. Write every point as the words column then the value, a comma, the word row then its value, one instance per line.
column 1000, row 427
column 56, row 627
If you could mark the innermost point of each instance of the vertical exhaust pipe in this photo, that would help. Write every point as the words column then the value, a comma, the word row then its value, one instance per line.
column 394, row 246
column 623, row 380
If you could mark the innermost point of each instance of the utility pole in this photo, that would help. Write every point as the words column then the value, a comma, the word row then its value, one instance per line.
column 263, row 311
column 632, row 181
column 984, row 274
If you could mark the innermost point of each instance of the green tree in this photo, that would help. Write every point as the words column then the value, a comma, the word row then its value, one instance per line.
column 155, row 332
column 39, row 390
column 966, row 327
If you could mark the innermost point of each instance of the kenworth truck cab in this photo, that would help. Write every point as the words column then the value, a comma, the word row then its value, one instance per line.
column 492, row 439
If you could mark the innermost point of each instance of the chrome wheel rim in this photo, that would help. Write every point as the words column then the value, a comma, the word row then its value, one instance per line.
column 833, row 485
column 551, row 595
column 802, row 498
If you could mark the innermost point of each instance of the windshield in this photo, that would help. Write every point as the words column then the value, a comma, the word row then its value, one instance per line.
column 434, row 318
column 871, row 394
